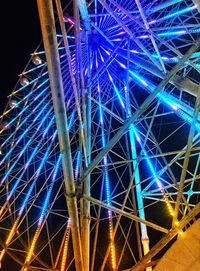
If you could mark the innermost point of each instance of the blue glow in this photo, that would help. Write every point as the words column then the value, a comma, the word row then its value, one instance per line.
column 164, row 5
column 28, row 163
column 118, row 95
column 139, row 78
column 172, row 33
column 26, row 199
column 35, row 68
column 153, row 172
column 101, row 114
column 107, row 188
column 42, row 214
column 21, row 124
column 29, row 141
column 36, row 175
column 71, row 120
column 26, row 146
column 83, row 10
column 27, row 106
column 106, row 51
column 132, row 128
column 174, row 14
column 167, row 99
column 134, row 134
column 179, row 12
column 78, row 159
column 31, row 82
column 116, row 91
column 102, row 59
column 103, row 139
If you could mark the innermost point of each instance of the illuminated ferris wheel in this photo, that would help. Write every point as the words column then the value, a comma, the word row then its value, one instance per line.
column 99, row 142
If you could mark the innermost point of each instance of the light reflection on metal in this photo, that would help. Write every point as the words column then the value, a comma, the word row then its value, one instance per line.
column 28, row 128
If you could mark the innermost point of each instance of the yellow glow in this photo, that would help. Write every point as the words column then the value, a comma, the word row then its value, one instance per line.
column 12, row 232
column 2, row 254
column 112, row 247
column 65, row 249
column 30, row 253
column 180, row 233
column 176, row 223
column 169, row 207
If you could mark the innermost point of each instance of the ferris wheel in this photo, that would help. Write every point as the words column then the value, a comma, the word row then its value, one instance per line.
column 100, row 139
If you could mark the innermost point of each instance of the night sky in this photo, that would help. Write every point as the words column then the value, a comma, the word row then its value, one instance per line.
column 20, row 35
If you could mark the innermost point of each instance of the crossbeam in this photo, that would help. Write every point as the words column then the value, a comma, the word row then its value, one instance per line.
column 126, row 214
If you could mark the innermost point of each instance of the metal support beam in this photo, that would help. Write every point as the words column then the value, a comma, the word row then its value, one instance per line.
column 139, row 198
column 81, row 5
column 47, row 21
column 166, row 4
column 84, row 13
column 140, row 111
column 187, row 157
column 166, row 239
column 126, row 214
column 142, row 14
column 197, row 3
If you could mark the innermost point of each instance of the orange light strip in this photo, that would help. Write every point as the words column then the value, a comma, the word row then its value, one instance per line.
column 31, row 249
column 65, row 249
column 112, row 245
column 169, row 207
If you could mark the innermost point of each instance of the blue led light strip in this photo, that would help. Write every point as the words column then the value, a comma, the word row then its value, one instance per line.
column 134, row 134
column 31, row 82
column 168, row 99
column 164, row 5
column 78, row 157
column 25, row 108
column 28, row 193
column 172, row 33
column 107, row 185
column 42, row 214
column 25, row 131
column 173, row 14
column 26, row 146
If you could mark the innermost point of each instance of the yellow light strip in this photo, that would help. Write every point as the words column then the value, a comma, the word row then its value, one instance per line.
column 169, row 207
column 112, row 245
column 31, row 249
column 10, row 236
column 65, row 249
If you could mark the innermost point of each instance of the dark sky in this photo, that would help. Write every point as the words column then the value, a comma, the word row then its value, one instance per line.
column 20, row 35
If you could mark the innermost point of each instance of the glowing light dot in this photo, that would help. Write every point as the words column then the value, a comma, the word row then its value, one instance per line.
column 24, row 81
column 13, row 103
column 36, row 60
column 180, row 233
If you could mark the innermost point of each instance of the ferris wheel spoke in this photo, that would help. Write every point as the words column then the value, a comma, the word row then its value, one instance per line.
column 186, row 158
column 129, row 72
column 127, row 123
column 173, row 160
column 40, row 222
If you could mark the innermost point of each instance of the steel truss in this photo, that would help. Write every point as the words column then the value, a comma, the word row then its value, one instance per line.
column 100, row 159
